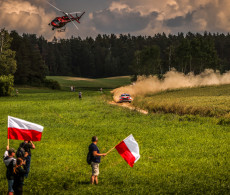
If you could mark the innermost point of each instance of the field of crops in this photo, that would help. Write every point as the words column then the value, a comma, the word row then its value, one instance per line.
column 204, row 101
column 179, row 154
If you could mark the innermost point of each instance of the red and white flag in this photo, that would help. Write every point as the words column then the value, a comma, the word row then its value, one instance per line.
column 129, row 150
column 23, row 130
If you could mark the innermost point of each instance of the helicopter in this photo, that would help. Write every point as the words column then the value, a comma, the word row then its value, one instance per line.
column 60, row 22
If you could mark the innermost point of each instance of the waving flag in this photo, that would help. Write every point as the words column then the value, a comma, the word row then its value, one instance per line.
column 23, row 130
column 129, row 150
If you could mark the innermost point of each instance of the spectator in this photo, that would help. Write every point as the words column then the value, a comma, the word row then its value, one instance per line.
column 27, row 145
column 80, row 95
column 96, row 159
column 10, row 162
column 17, row 92
column 19, row 174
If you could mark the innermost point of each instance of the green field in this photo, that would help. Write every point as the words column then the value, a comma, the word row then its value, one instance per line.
column 179, row 154
column 91, row 84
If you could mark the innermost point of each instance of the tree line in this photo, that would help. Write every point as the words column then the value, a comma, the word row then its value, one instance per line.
column 112, row 55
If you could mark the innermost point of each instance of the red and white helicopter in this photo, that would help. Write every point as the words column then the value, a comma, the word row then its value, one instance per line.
column 60, row 22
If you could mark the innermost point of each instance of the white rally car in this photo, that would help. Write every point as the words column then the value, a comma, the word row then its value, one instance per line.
column 125, row 98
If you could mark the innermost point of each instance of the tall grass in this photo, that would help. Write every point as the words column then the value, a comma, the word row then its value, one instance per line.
column 204, row 101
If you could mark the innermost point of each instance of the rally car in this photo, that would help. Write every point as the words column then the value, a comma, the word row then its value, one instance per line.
column 125, row 98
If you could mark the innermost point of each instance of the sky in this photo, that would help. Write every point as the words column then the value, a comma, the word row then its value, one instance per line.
column 136, row 17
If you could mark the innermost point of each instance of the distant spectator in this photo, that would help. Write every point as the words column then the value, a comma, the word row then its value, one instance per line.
column 101, row 90
column 17, row 92
column 10, row 162
column 71, row 88
column 96, row 159
column 80, row 95
column 19, row 174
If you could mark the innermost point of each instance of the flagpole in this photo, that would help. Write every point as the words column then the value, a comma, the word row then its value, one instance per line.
column 8, row 140
column 110, row 150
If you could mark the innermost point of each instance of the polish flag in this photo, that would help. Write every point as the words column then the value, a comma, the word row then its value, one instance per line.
column 23, row 130
column 129, row 150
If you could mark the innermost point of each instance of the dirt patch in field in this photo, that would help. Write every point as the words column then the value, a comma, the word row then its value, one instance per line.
column 129, row 106
column 78, row 79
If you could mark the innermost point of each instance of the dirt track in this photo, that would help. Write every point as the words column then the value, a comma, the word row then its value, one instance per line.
column 129, row 106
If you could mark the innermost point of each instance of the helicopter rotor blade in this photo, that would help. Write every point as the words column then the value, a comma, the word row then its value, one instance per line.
column 75, row 13
column 72, row 22
column 56, row 8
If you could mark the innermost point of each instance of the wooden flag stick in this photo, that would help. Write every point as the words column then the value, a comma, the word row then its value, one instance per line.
column 110, row 150
column 8, row 142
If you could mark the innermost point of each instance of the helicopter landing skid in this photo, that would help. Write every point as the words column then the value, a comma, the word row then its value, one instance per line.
column 61, row 30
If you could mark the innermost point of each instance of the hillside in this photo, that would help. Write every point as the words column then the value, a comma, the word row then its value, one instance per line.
column 91, row 84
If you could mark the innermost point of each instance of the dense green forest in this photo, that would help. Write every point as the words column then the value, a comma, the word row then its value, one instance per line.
column 113, row 55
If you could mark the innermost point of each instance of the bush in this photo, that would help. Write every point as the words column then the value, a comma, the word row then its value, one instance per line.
column 6, row 85
column 52, row 84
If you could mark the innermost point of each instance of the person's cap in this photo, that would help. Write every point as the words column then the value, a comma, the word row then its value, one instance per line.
column 11, row 150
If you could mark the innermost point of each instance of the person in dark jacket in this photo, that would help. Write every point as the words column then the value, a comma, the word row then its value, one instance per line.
column 19, row 174
column 27, row 145
column 96, row 159
column 80, row 95
column 10, row 162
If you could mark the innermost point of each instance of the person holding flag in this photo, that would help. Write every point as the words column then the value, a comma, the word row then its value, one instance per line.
column 10, row 163
column 19, row 129
column 95, row 159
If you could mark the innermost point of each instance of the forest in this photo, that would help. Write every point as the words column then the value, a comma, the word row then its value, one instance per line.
column 113, row 55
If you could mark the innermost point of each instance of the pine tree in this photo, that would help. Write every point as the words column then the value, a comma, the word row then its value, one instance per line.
column 8, row 63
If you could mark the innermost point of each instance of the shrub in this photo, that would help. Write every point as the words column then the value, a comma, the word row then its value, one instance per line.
column 52, row 84
column 6, row 85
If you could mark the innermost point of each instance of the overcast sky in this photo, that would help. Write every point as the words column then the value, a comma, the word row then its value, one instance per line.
column 137, row 17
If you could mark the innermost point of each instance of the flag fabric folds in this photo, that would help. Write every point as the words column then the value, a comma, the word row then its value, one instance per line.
column 129, row 150
column 23, row 130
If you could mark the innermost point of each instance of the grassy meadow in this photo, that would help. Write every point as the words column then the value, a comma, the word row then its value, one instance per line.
column 179, row 154
column 91, row 84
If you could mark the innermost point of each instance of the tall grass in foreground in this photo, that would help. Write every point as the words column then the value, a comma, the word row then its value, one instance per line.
column 179, row 155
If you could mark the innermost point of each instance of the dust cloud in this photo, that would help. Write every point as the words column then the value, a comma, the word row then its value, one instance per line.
column 172, row 80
